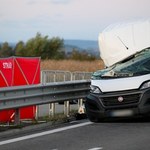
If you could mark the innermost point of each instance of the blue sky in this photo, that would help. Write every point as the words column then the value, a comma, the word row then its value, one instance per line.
column 67, row 19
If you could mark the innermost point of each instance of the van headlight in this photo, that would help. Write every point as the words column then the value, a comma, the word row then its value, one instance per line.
column 94, row 89
column 145, row 85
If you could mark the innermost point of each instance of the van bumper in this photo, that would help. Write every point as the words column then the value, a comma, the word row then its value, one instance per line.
column 118, row 104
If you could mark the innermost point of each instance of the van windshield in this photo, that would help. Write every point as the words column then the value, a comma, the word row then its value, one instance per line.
column 138, row 64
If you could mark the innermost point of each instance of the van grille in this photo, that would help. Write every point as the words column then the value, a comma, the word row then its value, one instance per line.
column 127, row 99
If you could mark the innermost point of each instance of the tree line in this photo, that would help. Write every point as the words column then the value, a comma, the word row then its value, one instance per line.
column 44, row 47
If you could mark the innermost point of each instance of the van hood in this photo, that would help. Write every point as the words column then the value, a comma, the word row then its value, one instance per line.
column 120, row 41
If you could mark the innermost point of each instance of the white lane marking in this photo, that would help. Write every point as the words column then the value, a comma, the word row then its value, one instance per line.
column 43, row 133
column 96, row 148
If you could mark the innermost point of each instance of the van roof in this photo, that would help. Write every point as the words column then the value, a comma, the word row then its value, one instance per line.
column 121, row 40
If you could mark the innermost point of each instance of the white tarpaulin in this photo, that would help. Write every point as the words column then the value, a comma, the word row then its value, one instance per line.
column 120, row 41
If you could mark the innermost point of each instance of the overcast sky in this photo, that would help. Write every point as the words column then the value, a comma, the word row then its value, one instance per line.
column 67, row 19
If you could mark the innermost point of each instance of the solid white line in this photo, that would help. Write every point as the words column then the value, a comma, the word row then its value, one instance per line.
column 96, row 148
column 44, row 133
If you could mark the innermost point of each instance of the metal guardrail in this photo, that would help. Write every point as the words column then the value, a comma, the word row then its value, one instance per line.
column 81, row 75
column 59, row 76
column 21, row 96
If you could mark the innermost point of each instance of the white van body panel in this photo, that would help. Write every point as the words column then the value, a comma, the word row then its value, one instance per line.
column 120, row 84
column 122, row 40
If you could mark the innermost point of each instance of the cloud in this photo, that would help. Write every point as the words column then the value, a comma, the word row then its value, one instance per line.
column 60, row 1
column 31, row 2
column 66, row 18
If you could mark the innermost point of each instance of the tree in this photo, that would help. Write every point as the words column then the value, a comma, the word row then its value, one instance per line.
column 20, row 49
column 42, row 46
column 55, row 48
column 5, row 50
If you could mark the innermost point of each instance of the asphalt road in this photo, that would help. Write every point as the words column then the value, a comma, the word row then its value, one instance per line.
column 114, row 134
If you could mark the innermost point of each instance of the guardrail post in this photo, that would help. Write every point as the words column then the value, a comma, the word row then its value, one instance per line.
column 80, row 103
column 66, row 108
column 37, row 112
column 52, row 109
column 17, row 116
column 80, row 106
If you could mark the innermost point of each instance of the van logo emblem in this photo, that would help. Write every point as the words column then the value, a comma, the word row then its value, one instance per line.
column 120, row 99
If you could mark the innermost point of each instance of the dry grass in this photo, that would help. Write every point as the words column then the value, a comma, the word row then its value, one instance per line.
column 72, row 65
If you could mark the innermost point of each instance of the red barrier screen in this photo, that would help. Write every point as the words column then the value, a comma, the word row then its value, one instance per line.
column 15, row 71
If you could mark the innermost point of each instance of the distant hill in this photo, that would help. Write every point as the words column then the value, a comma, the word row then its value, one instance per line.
column 89, row 46
column 10, row 44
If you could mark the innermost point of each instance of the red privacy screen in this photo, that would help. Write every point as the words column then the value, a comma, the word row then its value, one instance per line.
column 15, row 71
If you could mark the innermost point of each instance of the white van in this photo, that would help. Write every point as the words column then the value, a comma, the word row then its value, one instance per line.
column 123, row 88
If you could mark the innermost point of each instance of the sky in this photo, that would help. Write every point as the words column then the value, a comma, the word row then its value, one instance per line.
column 21, row 20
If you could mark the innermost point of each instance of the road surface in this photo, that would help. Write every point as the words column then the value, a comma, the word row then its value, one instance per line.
column 114, row 134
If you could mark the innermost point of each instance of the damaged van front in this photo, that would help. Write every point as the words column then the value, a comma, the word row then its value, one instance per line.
column 123, row 88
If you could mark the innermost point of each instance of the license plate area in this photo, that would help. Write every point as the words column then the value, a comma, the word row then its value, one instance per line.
column 121, row 113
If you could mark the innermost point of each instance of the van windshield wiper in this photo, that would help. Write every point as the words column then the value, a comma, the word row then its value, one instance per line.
column 120, row 74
